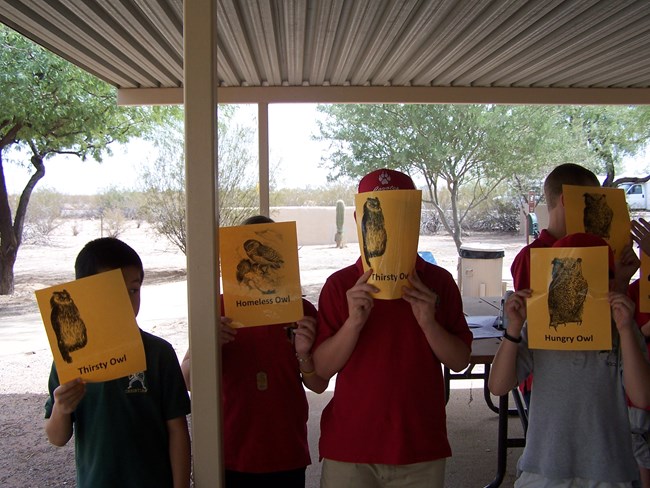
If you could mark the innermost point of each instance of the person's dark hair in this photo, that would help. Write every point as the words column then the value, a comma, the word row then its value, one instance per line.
column 258, row 219
column 567, row 174
column 105, row 254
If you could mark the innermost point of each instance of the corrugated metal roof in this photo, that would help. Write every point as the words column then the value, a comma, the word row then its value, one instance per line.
column 355, row 43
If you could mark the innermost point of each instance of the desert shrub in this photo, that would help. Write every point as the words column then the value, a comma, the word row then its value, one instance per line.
column 43, row 216
column 113, row 222
column 430, row 222
column 127, row 202
column 162, row 182
column 325, row 196
column 84, row 207
column 497, row 215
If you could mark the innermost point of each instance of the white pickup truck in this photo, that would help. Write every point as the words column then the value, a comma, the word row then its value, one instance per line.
column 637, row 195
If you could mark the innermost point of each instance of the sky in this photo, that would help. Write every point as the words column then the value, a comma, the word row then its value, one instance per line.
column 637, row 166
column 291, row 127
column 291, row 148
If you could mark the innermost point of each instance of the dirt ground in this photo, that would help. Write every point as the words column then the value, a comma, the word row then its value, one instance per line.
column 26, row 458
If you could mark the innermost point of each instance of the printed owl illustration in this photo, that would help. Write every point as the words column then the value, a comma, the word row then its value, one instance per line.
column 264, row 256
column 250, row 275
column 70, row 330
column 373, row 229
column 597, row 215
column 567, row 292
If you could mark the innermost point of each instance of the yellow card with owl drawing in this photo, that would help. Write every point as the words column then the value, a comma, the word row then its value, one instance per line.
column 599, row 211
column 91, row 328
column 569, row 309
column 260, row 274
column 388, row 226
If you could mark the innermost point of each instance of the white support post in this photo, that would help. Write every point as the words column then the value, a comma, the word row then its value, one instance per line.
column 200, row 98
column 263, row 151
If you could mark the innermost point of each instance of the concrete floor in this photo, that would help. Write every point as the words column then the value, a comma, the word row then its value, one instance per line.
column 472, row 430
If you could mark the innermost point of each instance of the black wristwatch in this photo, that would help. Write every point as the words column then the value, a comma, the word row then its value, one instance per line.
column 516, row 340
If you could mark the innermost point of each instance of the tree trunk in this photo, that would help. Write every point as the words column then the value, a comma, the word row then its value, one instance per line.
column 8, row 245
column 11, row 234
column 7, row 261
column 608, row 162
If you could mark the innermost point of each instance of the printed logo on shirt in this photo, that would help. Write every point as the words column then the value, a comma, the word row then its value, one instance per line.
column 137, row 383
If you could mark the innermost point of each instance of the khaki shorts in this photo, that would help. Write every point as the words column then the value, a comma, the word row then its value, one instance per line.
column 335, row 474
column 640, row 427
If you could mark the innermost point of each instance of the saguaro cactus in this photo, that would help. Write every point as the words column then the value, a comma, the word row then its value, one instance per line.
column 340, row 215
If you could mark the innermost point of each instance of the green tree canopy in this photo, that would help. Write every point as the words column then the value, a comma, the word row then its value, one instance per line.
column 609, row 133
column 49, row 107
column 461, row 152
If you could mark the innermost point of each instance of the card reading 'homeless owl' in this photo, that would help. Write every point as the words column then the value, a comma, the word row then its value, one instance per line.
column 599, row 211
column 388, row 225
column 92, row 329
column 260, row 274
column 569, row 309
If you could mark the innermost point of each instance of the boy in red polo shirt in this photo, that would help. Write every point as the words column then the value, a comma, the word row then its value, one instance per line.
column 265, row 371
column 578, row 429
column 386, row 420
column 564, row 174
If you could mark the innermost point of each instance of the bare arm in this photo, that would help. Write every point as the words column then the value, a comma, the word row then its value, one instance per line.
column 448, row 348
column 303, row 341
column 503, row 373
column 310, row 378
column 334, row 352
column 626, row 265
column 179, row 451
column 226, row 334
column 645, row 330
column 185, row 368
column 58, row 427
column 636, row 369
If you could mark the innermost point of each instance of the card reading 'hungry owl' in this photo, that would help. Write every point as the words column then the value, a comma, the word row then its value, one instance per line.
column 569, row 309
column 260, row 274
column 91, row 328
column 599, row 211
column 388, row 226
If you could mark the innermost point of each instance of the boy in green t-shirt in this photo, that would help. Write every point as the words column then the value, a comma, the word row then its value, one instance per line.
column 132, row 431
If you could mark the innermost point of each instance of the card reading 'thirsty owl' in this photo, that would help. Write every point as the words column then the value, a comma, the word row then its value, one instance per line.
column 599, row 211
column 569, row 309
column 388, row 226
column 260, row 274
column 91, row 328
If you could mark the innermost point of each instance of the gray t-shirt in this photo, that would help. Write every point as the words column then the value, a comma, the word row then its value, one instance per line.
column 578, row 421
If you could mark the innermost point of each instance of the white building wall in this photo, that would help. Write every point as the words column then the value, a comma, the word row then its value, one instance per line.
column 317, row 225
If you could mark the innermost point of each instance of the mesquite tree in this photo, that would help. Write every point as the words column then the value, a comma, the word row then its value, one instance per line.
column 49, row 107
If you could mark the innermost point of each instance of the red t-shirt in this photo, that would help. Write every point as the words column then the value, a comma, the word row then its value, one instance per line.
column 265, row 408
column 520, row 271
column 388, row 406
column 520, row 268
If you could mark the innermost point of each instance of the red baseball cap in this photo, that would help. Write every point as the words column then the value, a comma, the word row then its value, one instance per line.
column 581, row 239
column 385, row 179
